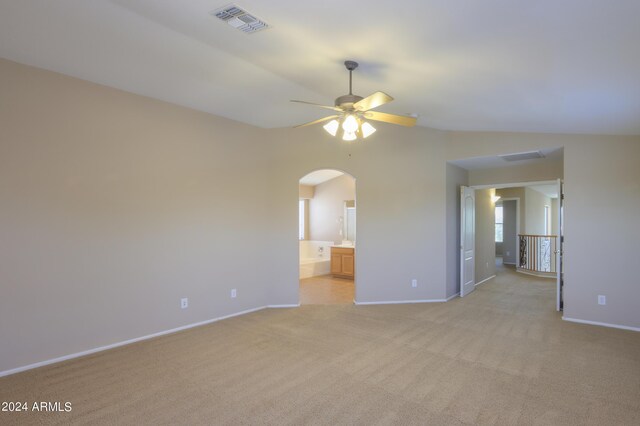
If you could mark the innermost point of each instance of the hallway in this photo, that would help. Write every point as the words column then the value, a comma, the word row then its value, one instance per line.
column 519, row 293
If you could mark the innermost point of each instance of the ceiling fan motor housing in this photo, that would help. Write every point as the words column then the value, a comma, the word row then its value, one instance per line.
column 347, row 101
column 351, row 65
column 352, row 118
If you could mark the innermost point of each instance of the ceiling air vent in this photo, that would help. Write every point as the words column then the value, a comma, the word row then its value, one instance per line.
column 531, row 155
column 239, row 19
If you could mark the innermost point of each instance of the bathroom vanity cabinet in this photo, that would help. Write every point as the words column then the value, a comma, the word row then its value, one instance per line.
column 342, row 262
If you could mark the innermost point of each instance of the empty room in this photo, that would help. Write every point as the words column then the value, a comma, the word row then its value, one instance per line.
column 181, row 183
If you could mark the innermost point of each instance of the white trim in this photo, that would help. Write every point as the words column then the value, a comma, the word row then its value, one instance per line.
column 602, row 324
column 536, row 274
column 452, row 296
column 559, row 242
column 126, row 342
column 517, row 245
column 293, row 305
column 485, row 280
column 399, row 302
column 513, row 185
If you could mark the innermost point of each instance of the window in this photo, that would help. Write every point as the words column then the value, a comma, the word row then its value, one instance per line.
column 301, row 210
column 547, row 220
column 499, row 224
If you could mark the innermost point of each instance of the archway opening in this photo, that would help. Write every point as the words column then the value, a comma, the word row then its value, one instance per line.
column 327, row 235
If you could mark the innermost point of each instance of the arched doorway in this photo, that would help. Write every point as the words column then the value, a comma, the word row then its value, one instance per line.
column 327, row 235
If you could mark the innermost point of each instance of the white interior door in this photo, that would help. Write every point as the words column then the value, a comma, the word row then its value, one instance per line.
column 559, row 248
column 467, row 240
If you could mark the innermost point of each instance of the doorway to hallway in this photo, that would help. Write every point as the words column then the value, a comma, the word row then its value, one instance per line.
column 526, row 234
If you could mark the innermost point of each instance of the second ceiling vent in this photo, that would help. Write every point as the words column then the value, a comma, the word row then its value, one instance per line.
column 240, row 19
column 530, row 155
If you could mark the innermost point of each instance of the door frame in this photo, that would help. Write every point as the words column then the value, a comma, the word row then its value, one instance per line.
column 467, row 192
column 559, row 249
column 355, row 251
column 560, row 281
column 517, row 200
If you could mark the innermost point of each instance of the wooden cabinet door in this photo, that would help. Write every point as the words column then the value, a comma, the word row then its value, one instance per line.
column 347, row 264
column 336, row 263
column 342, row 262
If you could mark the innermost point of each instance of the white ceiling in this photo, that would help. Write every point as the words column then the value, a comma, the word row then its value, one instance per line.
column 566, row 66
column 320, row 176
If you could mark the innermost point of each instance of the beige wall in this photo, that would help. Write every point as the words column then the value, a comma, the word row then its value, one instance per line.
column 400, row 175
column 326, row 209
column 485, row 235
column 115, row 206
column 510, row 232
column 306, row 191
column 547, row 170
column 517, row 192
column 603, row 165
column 534, row 216
column 307, row 233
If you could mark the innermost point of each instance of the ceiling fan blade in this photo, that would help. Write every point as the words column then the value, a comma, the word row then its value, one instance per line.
column 372, row 101
column 318, row 105
column 331, row 117
column 402, row 120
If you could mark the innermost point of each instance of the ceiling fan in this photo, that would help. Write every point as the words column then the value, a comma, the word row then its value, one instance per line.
column 352, row 110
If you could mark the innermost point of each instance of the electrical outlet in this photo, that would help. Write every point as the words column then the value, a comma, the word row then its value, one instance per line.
column 508, row 253
column 487, row 265
column 414, row 283
column 184, row 303
column 602, row 300
column 234, row 293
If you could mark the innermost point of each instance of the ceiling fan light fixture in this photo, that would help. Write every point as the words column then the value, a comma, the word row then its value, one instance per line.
column 367, row 129
column 332, row 127
column 350, row 124
column 349, row 136
column 352, row 110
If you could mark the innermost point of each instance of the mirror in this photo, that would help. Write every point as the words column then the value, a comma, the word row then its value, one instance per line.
column 349, row 223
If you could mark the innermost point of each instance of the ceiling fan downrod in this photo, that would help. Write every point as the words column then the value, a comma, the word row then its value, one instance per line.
column 346, row 101
column 352, row 112
column 351, row 65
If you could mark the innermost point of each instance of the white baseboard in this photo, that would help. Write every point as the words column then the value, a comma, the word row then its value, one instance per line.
column 537, row 274
column 485, row 280
column 602, row 324
column 452, row 296
column 400, row 302
column 128, row 342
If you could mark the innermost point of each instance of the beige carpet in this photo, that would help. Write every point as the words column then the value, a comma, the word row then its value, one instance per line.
column 500, row 356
